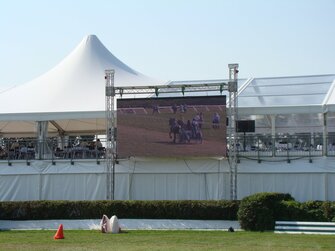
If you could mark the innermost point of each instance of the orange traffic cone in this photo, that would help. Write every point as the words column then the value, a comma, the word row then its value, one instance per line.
column 59, row 234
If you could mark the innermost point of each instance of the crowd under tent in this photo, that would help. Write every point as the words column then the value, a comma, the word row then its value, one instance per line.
column 70, row 100
column 301, row 107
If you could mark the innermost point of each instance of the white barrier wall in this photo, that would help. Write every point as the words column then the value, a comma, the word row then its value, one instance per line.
column 143, row 179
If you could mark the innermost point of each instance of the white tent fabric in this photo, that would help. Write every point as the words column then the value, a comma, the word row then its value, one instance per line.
column 278, row 95
column 75, row 85
column 330, row 99
column 291, row 105
column 72, row 93
column 202, row 179
column 286, row 95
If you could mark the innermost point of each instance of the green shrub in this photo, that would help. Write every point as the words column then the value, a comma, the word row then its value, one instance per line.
column 291, row 211
column 329, row 210
column 42, row 210
column 258, row 212
column 308, row 211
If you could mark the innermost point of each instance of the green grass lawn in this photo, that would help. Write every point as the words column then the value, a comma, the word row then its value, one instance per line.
column 162, row 240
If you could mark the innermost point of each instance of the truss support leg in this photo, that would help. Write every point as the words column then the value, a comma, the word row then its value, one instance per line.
column 111, row 135
column 232, row 140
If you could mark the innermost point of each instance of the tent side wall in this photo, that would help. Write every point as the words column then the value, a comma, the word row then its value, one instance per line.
column 165, row 180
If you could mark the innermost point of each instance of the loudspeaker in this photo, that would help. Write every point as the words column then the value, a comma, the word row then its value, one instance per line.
column 245, row 126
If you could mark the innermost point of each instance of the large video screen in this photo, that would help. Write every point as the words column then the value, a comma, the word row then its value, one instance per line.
column 171, row 127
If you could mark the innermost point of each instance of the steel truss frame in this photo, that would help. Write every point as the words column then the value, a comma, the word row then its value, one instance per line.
column 111, row 125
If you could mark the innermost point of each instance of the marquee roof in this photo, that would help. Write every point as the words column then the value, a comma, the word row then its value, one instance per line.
column 74, row 86
column 279, row 95
column 72, row 94
column 287, row 95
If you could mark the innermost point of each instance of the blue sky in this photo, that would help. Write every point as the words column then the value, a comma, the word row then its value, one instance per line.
column 172, row 39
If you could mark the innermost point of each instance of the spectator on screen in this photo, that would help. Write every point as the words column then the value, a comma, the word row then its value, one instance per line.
column 216, row 120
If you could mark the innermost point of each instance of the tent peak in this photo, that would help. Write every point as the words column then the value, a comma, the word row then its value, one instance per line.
column 91, row 36
column 91, row 39
column 72, row 83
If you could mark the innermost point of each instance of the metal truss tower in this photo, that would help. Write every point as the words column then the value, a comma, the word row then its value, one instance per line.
column 111, row 134
column 232, row 157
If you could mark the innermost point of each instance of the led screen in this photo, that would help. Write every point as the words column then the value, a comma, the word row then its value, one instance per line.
column 171, row 127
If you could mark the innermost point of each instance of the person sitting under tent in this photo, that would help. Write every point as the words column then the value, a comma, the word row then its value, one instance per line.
column 15, row 145
column 3, row 153
column 99, row 148
column 14, row 149
column 98, row 144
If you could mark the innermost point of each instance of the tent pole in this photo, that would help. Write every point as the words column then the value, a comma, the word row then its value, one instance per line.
column 42, row 134
column 324, row 135
column 273, row 134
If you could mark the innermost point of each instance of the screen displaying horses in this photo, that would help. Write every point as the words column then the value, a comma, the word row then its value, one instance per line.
column 171, row 127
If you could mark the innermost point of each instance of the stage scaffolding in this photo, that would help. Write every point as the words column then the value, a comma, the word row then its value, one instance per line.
column 110, row 134
column 111, row 125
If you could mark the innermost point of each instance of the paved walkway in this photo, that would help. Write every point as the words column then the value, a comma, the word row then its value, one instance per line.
column 126, row 224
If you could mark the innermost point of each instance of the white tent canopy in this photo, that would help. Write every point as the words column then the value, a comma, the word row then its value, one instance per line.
column 286, row 95
column 72, row 94
column 330, row 99
column 296, row 104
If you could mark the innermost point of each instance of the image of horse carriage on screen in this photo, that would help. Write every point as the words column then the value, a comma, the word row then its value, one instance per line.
column 172, row 127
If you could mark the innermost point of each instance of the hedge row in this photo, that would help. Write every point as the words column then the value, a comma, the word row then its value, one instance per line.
column 258, row 212
column 43, row 210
